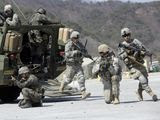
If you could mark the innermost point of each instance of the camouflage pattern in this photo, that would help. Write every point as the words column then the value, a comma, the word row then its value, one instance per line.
column 31, row 90
column 13, row 20
column 137, row 71
column 38, row 41
column 125, row 31
column 40, row 19
column 74, row 61
column 109, row 70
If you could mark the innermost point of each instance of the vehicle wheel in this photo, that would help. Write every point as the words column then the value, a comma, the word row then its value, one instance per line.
column 9, row 93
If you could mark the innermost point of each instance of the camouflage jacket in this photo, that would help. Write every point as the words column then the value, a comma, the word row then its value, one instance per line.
column 13, row 21
column 74, row 53
column 134, row 49
column 107, row 66
column 40, row 19
column 32, row 83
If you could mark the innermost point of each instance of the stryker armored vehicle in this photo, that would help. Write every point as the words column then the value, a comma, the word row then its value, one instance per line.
column 15, row 51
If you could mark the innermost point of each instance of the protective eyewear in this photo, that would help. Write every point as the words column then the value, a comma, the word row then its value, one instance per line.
column 126, row 35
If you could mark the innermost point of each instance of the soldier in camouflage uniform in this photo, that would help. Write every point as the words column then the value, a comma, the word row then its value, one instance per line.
column 74, row 59
column 132, row 52
column 108, row 68
column 10, row 17
column 38, row 39
column 31, row 89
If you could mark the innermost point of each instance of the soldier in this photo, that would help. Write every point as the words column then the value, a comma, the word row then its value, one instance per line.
column 132, row 52
column 38, row 39
column 31, row 89
column 108, row 68
column 10, row 17
column 74, row 58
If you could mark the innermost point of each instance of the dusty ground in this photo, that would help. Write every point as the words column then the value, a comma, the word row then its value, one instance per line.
column 94, row 108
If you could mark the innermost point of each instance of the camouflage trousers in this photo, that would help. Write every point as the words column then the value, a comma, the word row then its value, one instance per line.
column 31, row 95
column 111, row 85
column 140, row 74
column 75, row 70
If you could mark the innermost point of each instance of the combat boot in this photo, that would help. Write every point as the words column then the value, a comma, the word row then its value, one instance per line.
column 85, row 94
column 140, row 95
column 37, row 104
column 116, row 101
column 21, row 102
column 154, row 97
column 62, row 86
column 27, row 104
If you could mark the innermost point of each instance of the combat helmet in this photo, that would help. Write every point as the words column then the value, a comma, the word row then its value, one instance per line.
column 23, row 70
column 125, row 31
column 74, row 34
column 103, row 48
column 41, row 11
column 7, row 7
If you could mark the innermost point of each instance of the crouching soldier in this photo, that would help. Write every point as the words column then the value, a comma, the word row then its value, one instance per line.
column 31, row 89
column 74, row 59
column 132, row 52
column 109, row 70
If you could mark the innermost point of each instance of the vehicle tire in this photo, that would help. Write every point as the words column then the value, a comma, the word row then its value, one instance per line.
column 9, row 93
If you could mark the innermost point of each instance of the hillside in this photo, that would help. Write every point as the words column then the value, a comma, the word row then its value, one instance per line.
column 102, row 21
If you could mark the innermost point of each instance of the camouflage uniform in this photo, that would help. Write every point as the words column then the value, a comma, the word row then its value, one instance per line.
column 135, row 65
column 31, row 91
column 109, row 70
column 38, row 39
column 39, row 18
column 74, row 59
column 12, row 18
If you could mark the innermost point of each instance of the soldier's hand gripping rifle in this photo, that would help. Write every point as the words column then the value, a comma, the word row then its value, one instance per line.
column 83, row 51
column 133, row 60
column 137, row 50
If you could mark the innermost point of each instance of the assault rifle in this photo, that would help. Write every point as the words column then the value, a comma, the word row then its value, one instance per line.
column 83, row 51
column 2, row 16
column 133, row 60
column 137, row 49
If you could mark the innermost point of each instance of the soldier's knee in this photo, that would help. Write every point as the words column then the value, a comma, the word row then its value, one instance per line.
column 25, row 90
column 67, row 80
column 81, row 80
column 146, row 87
column 143, row 80
column 114, row 78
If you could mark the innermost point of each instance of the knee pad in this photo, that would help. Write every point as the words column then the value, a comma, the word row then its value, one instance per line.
column 67, row 80
column 25, row 91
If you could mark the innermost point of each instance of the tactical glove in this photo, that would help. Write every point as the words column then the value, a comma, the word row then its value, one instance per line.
column 77, row 53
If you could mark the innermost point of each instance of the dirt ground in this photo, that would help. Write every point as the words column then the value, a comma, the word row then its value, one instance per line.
column 93, row 108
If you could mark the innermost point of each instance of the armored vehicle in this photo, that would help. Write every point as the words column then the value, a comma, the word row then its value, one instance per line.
column 15, row 51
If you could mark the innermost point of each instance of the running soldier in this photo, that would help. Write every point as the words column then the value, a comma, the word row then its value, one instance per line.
column 132, row 52
column 74, row 53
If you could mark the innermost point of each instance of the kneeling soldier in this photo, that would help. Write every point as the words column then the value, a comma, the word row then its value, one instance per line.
column 31, row 89
column 108, row 68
